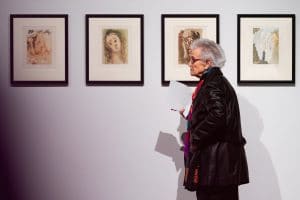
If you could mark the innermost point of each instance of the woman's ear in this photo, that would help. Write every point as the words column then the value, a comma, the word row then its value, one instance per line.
column 208, row 63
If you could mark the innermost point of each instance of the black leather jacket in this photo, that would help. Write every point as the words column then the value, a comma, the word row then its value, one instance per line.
column 217, row 144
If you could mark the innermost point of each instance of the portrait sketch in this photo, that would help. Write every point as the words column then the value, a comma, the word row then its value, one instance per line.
column 38, row 46
column 266, row 45
column 185, row 38
column 115, row 46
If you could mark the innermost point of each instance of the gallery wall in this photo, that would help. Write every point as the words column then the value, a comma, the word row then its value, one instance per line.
column 117, row 142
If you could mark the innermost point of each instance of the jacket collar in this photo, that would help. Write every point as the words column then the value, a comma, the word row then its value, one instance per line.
column 211, row 72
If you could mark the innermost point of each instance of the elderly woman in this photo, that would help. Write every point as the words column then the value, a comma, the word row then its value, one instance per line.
column 215, row 158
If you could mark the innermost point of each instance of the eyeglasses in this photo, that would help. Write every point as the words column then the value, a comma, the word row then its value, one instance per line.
column 193, row 60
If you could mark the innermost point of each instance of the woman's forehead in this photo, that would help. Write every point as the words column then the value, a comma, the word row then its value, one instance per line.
column 111, row 36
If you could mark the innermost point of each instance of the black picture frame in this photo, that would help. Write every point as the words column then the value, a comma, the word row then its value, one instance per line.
column 272, row 63
column 101, row 70
column 39, row 49
column 172, row 63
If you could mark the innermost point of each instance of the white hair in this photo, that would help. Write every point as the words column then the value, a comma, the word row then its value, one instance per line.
column 210, row 51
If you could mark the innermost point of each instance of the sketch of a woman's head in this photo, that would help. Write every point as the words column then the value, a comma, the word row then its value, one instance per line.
column 185, row 38
column 39, row 47
column 115, row 46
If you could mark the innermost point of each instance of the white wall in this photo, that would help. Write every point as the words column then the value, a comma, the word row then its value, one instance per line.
column 114, row 143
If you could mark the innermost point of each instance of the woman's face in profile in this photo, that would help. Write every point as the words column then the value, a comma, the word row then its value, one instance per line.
column 113, row 42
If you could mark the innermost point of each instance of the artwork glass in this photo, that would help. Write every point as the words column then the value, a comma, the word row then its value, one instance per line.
column 266, row 49
column 114, row 50
column 178, row 33
column 39, row 49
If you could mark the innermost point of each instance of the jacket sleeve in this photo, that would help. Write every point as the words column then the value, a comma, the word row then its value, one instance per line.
column 205, row 131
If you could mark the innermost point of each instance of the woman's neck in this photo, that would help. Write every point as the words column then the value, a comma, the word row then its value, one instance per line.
column 116, row 58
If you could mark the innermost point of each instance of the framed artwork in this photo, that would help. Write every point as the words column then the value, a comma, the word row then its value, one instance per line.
column 39, row 49
column 178, row 32
column 266, row 49
column 114, row 49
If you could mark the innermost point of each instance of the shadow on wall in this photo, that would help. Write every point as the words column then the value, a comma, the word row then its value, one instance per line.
column 263, row 179
column 9, row 189
column 168, row 145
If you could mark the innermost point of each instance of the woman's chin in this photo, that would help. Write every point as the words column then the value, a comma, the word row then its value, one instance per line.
column 196, row 75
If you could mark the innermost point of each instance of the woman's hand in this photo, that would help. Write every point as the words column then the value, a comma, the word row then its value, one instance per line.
column 181, row 111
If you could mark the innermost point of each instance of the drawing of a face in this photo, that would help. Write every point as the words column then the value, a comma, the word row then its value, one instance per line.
column 39, row 46
column 113, row 42
column 187, row 39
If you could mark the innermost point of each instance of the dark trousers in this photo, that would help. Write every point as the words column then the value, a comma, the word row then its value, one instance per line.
column 218, row 193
